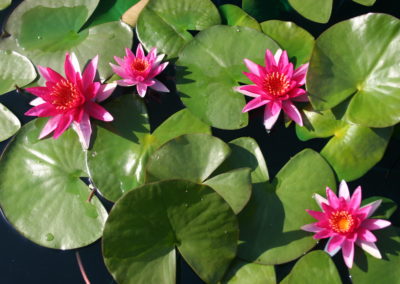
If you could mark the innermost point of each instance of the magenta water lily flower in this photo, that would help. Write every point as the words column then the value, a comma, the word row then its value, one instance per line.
column 277, row 86
column 70, row 100
column 140, row 70
column 345, row 223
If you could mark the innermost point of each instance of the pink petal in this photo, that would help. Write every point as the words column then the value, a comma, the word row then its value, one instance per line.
column 90, row 72
column 157, row 70
column 277, row 56
column 335, row 242
column 37, row 101
column 120, row 61
column 283, row 60
column 98, row 112
column 370, row 248
column 375, row 224
column 344, row 190
column 42, row 92
column 253, row 67
column 366, row 235
column 139, row 51
column 50, row 126
column 332, row 198
column 311, row 228
column 317, row 214
column 254, row 78
column 49, row 74
column 269, row 60
column 141, row 89
column 126, row 82
column 302, row 98
column 323, row 234
column 84, row 131
column 105, row 91
column 292, row 112
column 374, row 205
column 300, row 73
column 120, row 71
column 70, row 67
column 363, row 212
column 348, row 253
column 152, row 56
column 159, row 58
column 129, row 53
column 249, row 90
column 255, row 103
column 42, row 110
column 319, row 199
column 63, row 123
column 333, row 252
column 271, row 114
column 159, row 87
column 355, row 199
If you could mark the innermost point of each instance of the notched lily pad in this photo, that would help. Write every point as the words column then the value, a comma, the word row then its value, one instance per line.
column 317, row 11
column 9, row 123
column 234, row 16
column 242, row 272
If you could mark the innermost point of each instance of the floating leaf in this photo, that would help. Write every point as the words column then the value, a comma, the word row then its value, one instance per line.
column 314, row 265
column 211, row 65
column 353, row 149
column 4, row 4
column 41, row 193
column 241, row 272
column 342, row 67
column 317, row 11
column 234, row 16
column 370, row 270
column 9, row 123
column 265, row 10
column 365, row 2
column 124, row 145
column 270, row 223
column 44, row 30
column 168, row 214
column 385, row 210
column 165, row 24
column 296, row 41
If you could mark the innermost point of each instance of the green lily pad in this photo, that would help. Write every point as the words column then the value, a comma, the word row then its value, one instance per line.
column 16, row 70
column 314, row 265
column 44, row 30
column 370, row 270
column 365, row 2
column 124, row 145
column 296, row 41
column 265, row 10
column 234, row 16
column 341, row 67
column 211, row 65
column 241, row 272
column 164, row 215
column 385, row 210
column 270, row 223
column 353, row 149
column 4, row 4
column 41, row 193
column 109, row 11
column 165, row 24
column 317, row 11
column 9, row 123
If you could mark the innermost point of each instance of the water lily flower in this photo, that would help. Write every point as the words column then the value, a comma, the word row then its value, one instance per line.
column 277, row 86
column 140, row 70
column 345, row 223
column 70, row 100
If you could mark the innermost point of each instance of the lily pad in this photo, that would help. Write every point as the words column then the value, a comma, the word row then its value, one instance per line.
column 365, row 2
column 270, row 223
column 296, row 41
column 265, row 10
column 341, row 67
column 385, row 210
column 234, row 16
column 44, row 30
column 314, row 265
column 41, row 193
column 211, row 65
column 353, row 149
column 123, row 146
column 9, row 123
column 241, row 272
column 165, row 24
column 370, row 270
column 164, row 215
column 317, row 11
column 4, row 4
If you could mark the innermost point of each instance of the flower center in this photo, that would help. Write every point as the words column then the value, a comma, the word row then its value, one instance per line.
column 341, row 222
column 276, row 84
column 65, row 95
column 139, row 65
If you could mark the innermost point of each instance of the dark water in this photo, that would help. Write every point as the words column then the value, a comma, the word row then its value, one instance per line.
column 21, row 261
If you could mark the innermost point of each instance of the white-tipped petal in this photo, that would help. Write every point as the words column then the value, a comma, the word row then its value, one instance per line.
column 277, row 55
column 37, row 101
column 335, row 251
column 319, row 199
column 370, row 248
column 374, row 205
column 344, row 190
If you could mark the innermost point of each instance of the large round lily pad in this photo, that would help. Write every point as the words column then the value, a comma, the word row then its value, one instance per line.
column 242, row 272
column 232, row 15
column 124, row 145
column 352, row 150
column 317, row 11
column 9, row 123
column 41, row 193
column 165, row 24
column 270, row 223
column 211, row 65
column 44, row 30
column 314, row 265
column 358, row 59
column 147, row 223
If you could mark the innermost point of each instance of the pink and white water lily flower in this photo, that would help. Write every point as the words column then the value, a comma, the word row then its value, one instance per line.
column 276, row 86
column 345, row 223
column 70, row 100
column 140, row 70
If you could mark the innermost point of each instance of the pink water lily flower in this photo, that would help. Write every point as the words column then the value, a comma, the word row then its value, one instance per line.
column 70, row 100
column 345, row 223
column 140, row 70
column 277, row 86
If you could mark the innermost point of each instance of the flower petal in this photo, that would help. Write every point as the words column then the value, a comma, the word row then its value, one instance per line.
column 126, row 82
column 317, row 214
column 370, row 248
column 159, row 87
column 355, row 199
column 366, row 235
column 98, row 112
column 63, row 123
column 283, row 60
column 319, row 199
column 157, row 70
column 311, row 228
column 277, row 56
column 42, row 110
column 84, row 130
column 348, row 253
column 255, row 103
column 42, row 92
column 37, row 101
column 269, row 60
column 90, row 72
column 344, row 190
column 290, row 109
column 141, row 89
column 300, row 73
column 120, row 71
column 105, row 91
column 334, row 243
column 271, row 114
column 248, row 90
column 71, row 67
column 253, row 67
column 332, row 198
column 50, row 126
column 323, row 234
column 140, row 52
column 375, row 224
column 374, row 205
